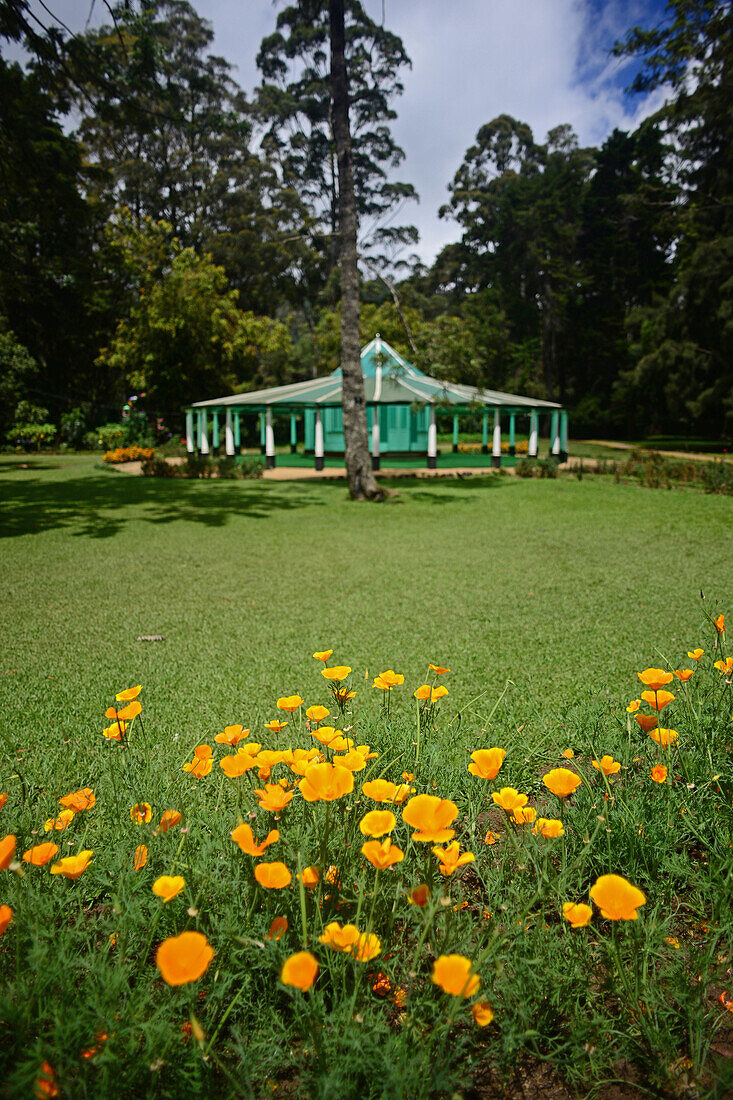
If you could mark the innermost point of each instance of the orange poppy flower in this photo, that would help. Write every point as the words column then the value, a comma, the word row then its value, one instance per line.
column 482, row 1013
column 168, row 887
column 607, row 765
column 419, row 895
column 336, row 672
column 509, row 799
column 141, row 812
column 389, row 679
column 341, row 744
column 438, row 693
column 655, row 678
column 726, row 666
column 451, row 858
column 430, row 817
column 169, row 820
column 549, row 827
column 116, row 731
column 578, row 916
column 646, row 721
column 326, row 734
column 310, row 877
column 695, row 654
column 46, row 1083
column 355, row 761
column 232, row 735
column 274, row 798
column 7, row 851
column 524, row 815
column 425, row 693
column 438, row 669
column 377, row 823
column 277, row 929
column 126, row 714
column 202, row 762
column 243, row 837
column 140, row 858
column 6, row 917
column 73, row 866
column 129, row 694
column 290, row 703
column 59, row 823
column 3, row 799
column 616, row 898
column 342, row 695
column 381, row 790
column 273, row 876
column 182, row 959
column 339, row 938
column 634, row 706
column 491, row 838
column 382, row 854
column 300, row 971
column 317, row 713
column 561, row 781
column 684, row 674
column 720, row 624
column 659, row 773
column 657, row 700
column 366, row 947
column 237, row 764
column 452, row 973
column 299, row 760
column 664, row 737
column 323, row 655
column 40, row 854
column 275, row 725
column 568, row 754
column 486, row 762
column 326, row 783
column 79, row 800
column 100, row 1039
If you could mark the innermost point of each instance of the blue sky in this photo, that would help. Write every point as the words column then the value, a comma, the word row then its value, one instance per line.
column 544, row 61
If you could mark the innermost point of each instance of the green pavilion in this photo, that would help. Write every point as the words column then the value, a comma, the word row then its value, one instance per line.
column 400, row 407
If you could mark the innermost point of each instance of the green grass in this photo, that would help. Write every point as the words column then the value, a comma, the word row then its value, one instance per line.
column 563, row 588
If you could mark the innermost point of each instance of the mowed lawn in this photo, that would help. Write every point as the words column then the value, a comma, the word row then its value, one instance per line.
column 564, row 588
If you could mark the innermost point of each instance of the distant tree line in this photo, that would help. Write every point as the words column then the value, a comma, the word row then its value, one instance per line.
column 166, row 235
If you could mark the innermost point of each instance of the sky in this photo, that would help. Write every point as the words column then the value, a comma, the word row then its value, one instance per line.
column 546, row 62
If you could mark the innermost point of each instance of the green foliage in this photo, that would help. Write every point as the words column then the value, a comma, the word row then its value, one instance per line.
column 18, row 370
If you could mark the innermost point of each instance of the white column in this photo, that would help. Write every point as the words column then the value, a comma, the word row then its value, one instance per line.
column 319, row 440
column 496, row 442
column 533, row 435
column 432, row 441
column 269, row 440
column 204, row 448
column 375, row 437
column 189, row 432
column 555, row 434
column 229, row 433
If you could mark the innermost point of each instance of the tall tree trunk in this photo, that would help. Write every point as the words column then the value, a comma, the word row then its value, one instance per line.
column 362, row 484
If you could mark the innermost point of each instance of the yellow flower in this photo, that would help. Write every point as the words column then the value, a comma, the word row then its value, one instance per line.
column 129, row 694
column 244, row 838
column 273, row 876
column 549, row 828
column 616, row 898
column 323, row 655
column 78, row 801
column 289, row 703
column 695, row 654
column 59, row 823
column 317, row 713
column 453, row 974
column 183, row 958
column 140, row 857
column 634, row 706
column 725, row 667
column 684, row 674
column 664, row 737
column 451, row 858
column 202, row 762
column 381, row 790
column 299, row 760
column 486, row 762
column 337, row 672
column 353, row 760
column 275, row 725
column 382, row 855
column 72, row 866
column 561, row 781
column 524, row 815
column 232, row 735
column 310, row 878
column 482, row 1013
column 338, row 937
column 657, row 700
column 40, row 854
column 377, row 823
column 141, row 813
column 509, row 799
column 430, row 817
column 425, row 693
column 300, row 970
column 168, row 887
column 237, row 764
column 655, row 678
column 607, row 765
column 438, row 669
column 326, row 783
column 659, row 773
column 366, row 948
column 568, row 754
column 577, row 915
column 389, row 679
column 719, row 621
column 274, row 798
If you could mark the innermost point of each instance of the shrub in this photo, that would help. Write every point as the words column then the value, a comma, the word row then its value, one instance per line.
column 525, row 467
